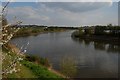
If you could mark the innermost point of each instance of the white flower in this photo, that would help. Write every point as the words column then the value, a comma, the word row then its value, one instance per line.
column 20, row 59
column 15, row 71
column 25, row 51
column 4, row 34
column 18, row 69
column 10, row 71
column 6, row 31
column 18, row 28
column 1, row 43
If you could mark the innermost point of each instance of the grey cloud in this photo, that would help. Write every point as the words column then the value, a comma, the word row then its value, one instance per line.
column 76, row 6
column 48, row 14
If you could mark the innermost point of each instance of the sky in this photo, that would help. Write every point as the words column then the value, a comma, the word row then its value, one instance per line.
column 61, row 0
column 64, row 13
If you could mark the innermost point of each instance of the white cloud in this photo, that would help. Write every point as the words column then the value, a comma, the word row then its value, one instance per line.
column 76, row 6
column 61, row 16
column 8, row 0
column 74, row 0
column 27, row 14
column 59, row 0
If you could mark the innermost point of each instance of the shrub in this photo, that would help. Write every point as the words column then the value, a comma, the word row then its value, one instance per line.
column 39, row 60
column 68, row 66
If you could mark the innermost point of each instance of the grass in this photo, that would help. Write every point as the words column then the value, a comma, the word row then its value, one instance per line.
column 24, row 71
column 41, row 71
column 27, row 69
column 38, row 60
column 28, row 31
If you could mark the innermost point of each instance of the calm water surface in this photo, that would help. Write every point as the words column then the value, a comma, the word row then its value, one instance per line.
column 94, row 59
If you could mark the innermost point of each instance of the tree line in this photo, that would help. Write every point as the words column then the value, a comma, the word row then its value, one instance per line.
column 108, row 30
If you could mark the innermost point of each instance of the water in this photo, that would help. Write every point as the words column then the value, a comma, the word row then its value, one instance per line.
column 93, row 59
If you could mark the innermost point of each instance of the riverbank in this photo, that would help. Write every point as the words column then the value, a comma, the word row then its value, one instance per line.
column 97, row 38
column 33, row 31
column 30, row 69
column 30, row 62
column 57, row 47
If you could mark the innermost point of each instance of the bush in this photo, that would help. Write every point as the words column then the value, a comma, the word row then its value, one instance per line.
column 39, row 60
column 68, row 66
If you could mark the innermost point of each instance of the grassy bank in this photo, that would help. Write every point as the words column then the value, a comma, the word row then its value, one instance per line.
column 25, row 68
column 30, row 66
column 40, row 71
column 9, row 57
column 28, row 31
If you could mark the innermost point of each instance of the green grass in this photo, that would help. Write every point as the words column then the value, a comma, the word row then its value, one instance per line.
column 24, row 71
column 27, row 69
column 41, row 71
column 38, row 60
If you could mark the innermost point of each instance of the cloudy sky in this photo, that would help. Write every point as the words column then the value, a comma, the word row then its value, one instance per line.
column 64, row 13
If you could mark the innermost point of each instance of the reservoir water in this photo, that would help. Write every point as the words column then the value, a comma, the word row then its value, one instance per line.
column 93, row 59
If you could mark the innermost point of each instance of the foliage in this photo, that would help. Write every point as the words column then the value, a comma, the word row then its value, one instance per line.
column 31, row 30
column 11, row 66
column 75, row 34
column 39, row 60
column 25, row 31
column 68, row 66
column 24, row 68
column 11, row 58
column 98, row 30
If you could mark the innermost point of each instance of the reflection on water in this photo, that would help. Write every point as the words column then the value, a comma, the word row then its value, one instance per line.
column 95, row 59
column 100, row 45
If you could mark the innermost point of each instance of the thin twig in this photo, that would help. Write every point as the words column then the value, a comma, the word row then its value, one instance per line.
column 3, row 9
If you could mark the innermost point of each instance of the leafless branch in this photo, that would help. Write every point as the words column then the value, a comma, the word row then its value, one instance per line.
column 3, row 9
